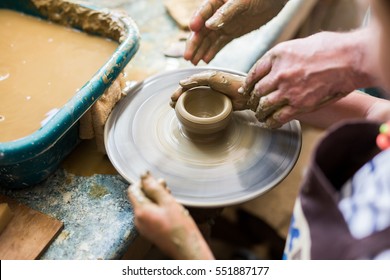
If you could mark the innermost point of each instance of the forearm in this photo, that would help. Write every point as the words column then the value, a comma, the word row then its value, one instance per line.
column 356, row 105
column 191, row 247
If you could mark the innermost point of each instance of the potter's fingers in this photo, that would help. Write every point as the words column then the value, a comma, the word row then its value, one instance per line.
column 257, row 72
column 226, row 14
column 136, row 196
column 268, row 84
column 203, row 13
column 253, row 102
column 194, row 42
column 172, row 104
column 223, row 82
column 263, row 114
column 265, row 86
column 227, row 82
column 155, row 191
column 269, row 104
column 162, row 182
column 274, row 99
column 201, row 51
column 198, row 79
column 220, row 42
column 284, row 115
column 192, row 45
column 272, row 123
column 175, row 96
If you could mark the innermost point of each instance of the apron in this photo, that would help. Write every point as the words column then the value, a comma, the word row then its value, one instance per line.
column 318, row 229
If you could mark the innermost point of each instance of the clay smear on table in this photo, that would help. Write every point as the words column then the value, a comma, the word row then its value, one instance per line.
column 42, row 66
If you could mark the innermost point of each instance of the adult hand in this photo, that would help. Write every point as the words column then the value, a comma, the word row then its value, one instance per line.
column 223, row 82
column 217, row 22
column 303, row 75
column 165, row 222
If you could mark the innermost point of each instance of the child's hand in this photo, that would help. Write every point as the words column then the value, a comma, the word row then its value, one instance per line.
column 164, row 222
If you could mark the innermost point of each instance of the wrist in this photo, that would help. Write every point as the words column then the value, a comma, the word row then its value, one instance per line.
column 188, row 244
column 363, row 70
column 379, row 111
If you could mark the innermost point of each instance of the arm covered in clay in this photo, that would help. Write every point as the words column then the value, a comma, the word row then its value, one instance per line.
column 217, row 22
column 166, row 223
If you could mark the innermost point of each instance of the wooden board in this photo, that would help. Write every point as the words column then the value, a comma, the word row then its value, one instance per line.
column 28, row 234
column 182, row 10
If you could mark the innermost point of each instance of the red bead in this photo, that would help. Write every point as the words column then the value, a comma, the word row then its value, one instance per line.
column 383, row 141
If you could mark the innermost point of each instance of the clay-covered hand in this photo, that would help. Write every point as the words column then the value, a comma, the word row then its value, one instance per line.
column 223, row 82
column 164, row 222
column 303, row 75
column 217, row 22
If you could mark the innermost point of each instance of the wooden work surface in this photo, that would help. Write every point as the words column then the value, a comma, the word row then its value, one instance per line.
column 28, row 233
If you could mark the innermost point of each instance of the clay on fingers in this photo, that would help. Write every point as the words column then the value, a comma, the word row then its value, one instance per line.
column 154, row 189
column 223, row 82
column 260, row 70
column 268, row 105
column 149, row 190
column 136, row 195
column 206, row 10
column 226, row 14
column 217, row 80
column 175, row 96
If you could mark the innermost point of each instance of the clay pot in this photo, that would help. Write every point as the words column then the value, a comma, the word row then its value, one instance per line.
column 203, row 112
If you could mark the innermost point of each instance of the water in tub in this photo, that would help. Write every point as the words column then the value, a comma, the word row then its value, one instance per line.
column 42, row 65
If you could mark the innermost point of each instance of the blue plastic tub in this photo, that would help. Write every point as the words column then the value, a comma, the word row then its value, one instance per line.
column 29, row 160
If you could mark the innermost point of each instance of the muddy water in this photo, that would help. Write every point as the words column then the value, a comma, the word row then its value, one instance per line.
column 42, row 65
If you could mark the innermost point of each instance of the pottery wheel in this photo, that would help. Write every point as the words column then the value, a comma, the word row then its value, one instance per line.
column 143, row 133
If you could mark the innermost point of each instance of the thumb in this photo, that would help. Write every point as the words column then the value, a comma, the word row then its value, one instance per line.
column 225, row 14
